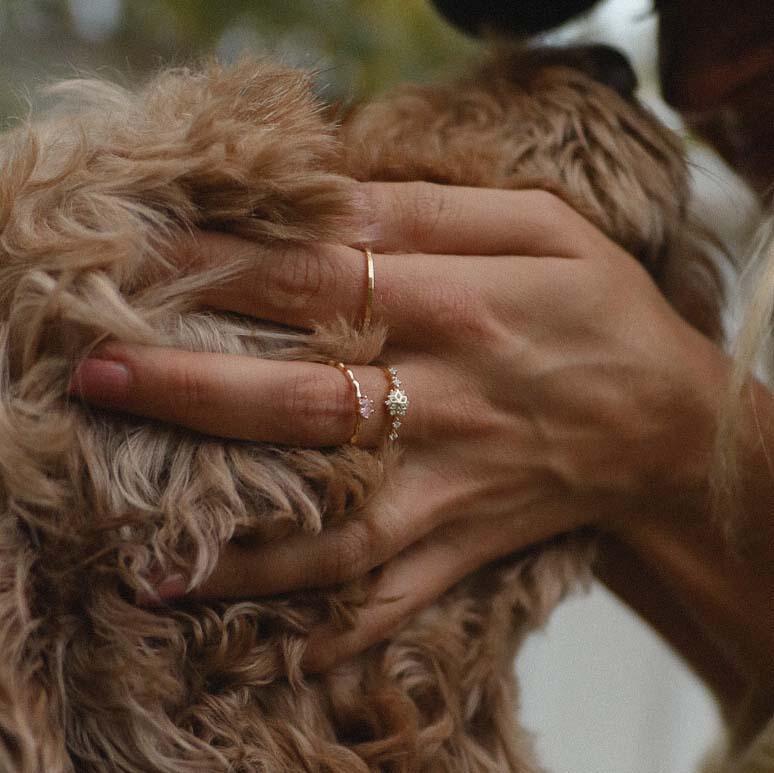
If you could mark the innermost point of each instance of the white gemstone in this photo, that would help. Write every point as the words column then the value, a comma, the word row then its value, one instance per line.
column 397, row 402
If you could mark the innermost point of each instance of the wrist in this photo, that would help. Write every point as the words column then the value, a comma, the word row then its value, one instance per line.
column 684, row 476
column 679, row 411
column 723, row 586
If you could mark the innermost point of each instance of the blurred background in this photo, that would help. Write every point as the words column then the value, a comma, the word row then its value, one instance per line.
column 601, row 692
column 358, row 47
column 353, row 43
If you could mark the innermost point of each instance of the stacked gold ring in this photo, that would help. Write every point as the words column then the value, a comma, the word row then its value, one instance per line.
column 397, row 401
column 364, row 406
column 369, row 304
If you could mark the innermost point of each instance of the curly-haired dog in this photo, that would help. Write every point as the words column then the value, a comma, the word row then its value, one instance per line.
column 93, row 504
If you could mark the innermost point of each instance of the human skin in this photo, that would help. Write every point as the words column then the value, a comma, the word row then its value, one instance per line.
column 599, row 405
column 585, row 400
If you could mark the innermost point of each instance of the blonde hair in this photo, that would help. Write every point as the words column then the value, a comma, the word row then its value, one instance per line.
column 753, row 356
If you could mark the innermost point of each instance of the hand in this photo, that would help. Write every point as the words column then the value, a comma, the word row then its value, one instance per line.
column 551, row 386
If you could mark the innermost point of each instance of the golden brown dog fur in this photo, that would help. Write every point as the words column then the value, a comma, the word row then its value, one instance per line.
column 92, row 503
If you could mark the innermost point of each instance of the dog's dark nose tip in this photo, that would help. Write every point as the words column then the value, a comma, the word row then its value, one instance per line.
column 609, row 66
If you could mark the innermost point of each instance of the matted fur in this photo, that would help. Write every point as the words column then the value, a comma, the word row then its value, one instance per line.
column 92, row 503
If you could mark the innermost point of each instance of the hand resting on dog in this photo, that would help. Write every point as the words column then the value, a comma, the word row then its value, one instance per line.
column 552, row 387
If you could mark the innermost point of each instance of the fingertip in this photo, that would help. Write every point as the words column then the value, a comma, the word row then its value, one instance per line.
column 172, row 587
column 101, row 380
column 168, row 590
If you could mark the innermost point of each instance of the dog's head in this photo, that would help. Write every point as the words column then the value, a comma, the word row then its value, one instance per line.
column 92, row 201
column 92, row 504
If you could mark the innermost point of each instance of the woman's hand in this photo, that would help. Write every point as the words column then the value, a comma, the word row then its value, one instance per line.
column 551, row 386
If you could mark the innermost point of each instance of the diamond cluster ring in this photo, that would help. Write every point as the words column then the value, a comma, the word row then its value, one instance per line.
column 397, row 401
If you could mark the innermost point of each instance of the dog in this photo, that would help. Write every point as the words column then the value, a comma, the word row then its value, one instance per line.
column 93, row 504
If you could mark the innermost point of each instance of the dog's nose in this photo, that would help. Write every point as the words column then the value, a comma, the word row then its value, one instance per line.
column 609, row 66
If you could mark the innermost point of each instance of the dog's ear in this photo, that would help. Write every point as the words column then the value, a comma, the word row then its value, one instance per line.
column 611, row 67
column 603, row 64
column 606, row 65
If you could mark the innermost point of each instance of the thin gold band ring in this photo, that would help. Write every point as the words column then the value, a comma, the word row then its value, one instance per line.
column 369, row 304
column 364, row 406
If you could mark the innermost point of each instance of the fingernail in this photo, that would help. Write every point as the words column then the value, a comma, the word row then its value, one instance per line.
column 103, row 381
column 173, row 587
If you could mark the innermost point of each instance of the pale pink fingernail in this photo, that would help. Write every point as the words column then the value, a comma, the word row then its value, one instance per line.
column 173, row 587
column 104, row 381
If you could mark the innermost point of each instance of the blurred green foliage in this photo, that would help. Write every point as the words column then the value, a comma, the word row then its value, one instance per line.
column 360, row 46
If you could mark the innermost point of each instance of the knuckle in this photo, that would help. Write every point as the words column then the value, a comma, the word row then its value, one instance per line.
column 320, row 402
column 371, row 198
column 353, row 556
column 301, row 277
column 577, row 236
column 463, row 313
column 425, row 207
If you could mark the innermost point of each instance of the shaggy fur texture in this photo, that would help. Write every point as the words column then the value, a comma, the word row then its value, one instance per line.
column 90, row 504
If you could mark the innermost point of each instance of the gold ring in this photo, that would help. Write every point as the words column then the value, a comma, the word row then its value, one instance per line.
column 397, row 401
column 369, row 304
column 364, row 406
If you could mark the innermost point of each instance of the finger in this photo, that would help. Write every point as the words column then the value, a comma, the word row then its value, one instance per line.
column 454, row 220
column 304, row 286
column 409, row 583
column 411, row 506
column 298, row 285
column 418, row 297
column 406, row 510
column 418, row 499
column 246, row 398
